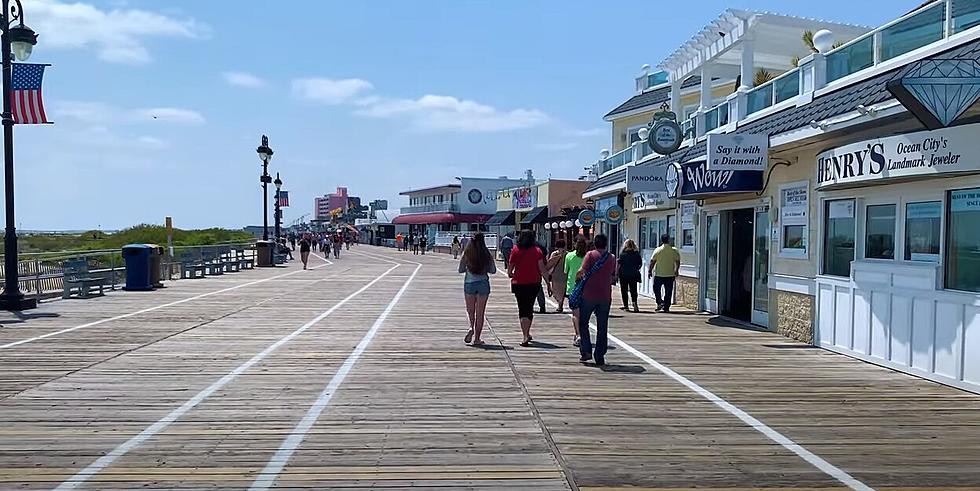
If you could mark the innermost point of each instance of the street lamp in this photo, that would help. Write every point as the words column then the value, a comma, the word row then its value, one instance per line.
column 16, row 41
column 278, row 183
column 265, row 155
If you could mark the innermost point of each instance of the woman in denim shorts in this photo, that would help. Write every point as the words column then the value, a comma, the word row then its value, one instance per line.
column 478, row 264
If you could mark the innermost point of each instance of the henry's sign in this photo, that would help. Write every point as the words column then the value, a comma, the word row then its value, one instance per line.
column 734, row 151
column 926, row 153
column 643, row 178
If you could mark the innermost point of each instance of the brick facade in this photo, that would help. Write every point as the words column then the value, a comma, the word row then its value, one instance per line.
column 794, row 315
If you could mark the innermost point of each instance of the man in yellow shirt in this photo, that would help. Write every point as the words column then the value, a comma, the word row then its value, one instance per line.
column 664, row 265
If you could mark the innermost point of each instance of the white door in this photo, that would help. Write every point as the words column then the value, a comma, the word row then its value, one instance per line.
column 760, row 268
column 712, row 237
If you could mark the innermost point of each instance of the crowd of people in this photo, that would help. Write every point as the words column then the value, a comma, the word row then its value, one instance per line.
column 583, row 274
column 418, row 243
column 324, row 242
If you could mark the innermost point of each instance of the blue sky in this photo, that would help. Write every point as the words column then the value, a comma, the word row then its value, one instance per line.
column 159, row 105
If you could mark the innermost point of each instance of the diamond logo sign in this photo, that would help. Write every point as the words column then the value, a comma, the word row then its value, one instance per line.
column 938, row 91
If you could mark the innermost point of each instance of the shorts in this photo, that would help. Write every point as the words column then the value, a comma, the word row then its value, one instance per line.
column 481, row 288
column 526, row 296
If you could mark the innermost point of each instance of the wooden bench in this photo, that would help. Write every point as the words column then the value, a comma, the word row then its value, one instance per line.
column 244, row 262
column 213, row 263
column 232, row 265
column 78, row 278
column 191, row 265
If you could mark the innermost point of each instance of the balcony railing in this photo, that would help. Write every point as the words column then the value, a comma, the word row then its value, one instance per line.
column 432, row 208
column 716, row 117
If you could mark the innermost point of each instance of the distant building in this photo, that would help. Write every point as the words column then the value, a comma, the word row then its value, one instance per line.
column 462, row 206
column 322, row 206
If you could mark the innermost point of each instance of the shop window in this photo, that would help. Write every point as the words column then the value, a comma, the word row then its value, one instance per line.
column 923, row 224
column 672, row 229
column 839, row 237
column 794, row 211
column 879, row 232
column 963, row 241
column 643, row 233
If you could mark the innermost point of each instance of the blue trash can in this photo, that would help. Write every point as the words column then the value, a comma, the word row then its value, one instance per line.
column 137, row 257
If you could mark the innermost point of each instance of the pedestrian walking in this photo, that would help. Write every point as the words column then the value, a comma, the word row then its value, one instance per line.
column 466, row 240
column 414, row 239
column 338, row 243
column 573, row 262
column 348, row 238
column 304, row 250
column 478, row 264
column 455, row 247
column 630, row 263
column 398, row 241
column 664, row 266
column 506, row 245
column 557, row 275
column 423, row 243
column 541, row 297
column 597, row 274
column 526, row 269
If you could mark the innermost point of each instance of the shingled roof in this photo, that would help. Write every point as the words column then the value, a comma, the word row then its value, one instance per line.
column 867, row 92
column 649, row 98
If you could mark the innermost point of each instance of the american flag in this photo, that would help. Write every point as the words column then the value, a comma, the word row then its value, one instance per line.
column 283, row 197
column 28, row 106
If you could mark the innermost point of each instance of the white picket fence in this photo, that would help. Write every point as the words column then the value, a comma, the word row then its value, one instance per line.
column 445, row 239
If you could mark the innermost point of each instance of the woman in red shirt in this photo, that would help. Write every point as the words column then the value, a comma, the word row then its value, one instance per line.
column 526, row 268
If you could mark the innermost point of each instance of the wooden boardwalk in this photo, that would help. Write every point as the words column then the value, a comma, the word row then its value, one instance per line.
column 354, row 376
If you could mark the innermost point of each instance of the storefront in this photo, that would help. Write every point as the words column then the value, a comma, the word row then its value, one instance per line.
column 734, row 237
column 899, row 262
column 540, row 207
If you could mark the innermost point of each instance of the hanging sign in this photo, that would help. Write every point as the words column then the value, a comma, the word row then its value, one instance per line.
column 614, row 214
column 586, row 218
column 736, row 151
column 925, row 153
column 641, row 178
column 666, row 136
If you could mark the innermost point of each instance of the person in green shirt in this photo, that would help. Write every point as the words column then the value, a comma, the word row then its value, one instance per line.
column 573, row 262
column 664, row 265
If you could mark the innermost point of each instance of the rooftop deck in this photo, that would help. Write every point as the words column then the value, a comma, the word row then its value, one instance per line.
column 354, row 375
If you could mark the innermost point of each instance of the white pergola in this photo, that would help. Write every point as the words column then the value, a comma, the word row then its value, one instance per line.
column 740, row 41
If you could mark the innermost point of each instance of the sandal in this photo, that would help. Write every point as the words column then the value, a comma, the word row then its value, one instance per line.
column 468, row 337
column 526, row 343
column 477, row 343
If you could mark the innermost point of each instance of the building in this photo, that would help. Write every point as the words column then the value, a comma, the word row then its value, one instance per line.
column 463, row 206
column 859, row 233
column 324, row 205
column 539, row 206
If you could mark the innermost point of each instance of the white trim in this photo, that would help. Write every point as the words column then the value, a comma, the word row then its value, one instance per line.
column 790, row 253
column 612, row 188
column 793, row 284
column 688, row 270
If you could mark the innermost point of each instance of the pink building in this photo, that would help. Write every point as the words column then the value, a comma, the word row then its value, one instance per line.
column 322, row 206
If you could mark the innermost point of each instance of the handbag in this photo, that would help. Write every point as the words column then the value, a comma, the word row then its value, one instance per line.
column 575, row 299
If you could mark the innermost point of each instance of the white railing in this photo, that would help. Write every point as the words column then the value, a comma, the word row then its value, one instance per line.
column 445, row 239
column 431, row 208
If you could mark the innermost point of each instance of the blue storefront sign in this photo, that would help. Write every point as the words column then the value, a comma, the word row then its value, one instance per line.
column 696, row 180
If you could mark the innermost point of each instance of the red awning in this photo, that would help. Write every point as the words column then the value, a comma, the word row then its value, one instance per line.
column 434, row 218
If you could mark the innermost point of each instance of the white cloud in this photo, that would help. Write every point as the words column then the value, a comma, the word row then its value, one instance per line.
column 170, row 115
column 116, row 35
column 556, row 147
column 152, row 142
column 586, row 133
column 242, row 79
column 330, row 91
column 447, row 113
column 100, row 114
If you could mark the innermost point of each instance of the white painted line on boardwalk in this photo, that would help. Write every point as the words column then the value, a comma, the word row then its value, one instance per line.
column 107, row 459
column 143, row 311
column 813, row 459
column 278, row 461
column 384, row 258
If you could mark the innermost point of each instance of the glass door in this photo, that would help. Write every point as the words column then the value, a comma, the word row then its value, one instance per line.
column 712, row 238
column 760, row 275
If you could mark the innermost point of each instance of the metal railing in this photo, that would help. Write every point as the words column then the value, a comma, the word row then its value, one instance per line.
column 431, row 208
column 41, row 274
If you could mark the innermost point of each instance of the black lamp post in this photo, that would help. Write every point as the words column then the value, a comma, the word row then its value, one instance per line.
column 16, row 41
column 278, row 183
column 265, row 155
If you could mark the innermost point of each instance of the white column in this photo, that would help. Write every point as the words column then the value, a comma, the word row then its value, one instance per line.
column 706, row 87
column 675, row 98
column 748, row 63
